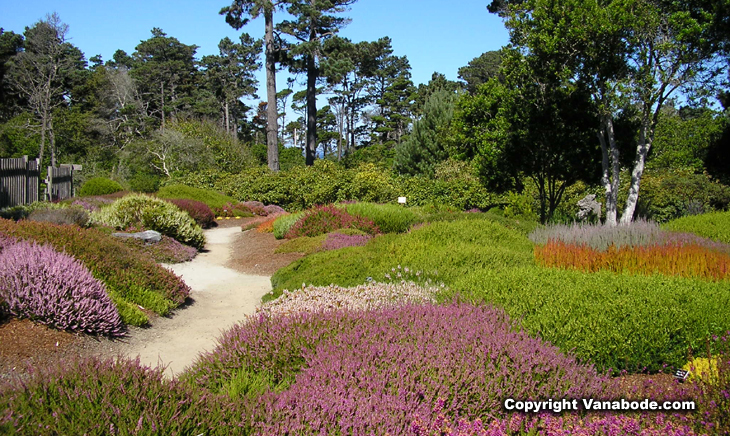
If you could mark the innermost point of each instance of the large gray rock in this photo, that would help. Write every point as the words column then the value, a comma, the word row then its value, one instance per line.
column 588, row 206
column 148, row 236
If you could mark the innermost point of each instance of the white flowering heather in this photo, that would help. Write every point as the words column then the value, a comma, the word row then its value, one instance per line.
column 364, row 297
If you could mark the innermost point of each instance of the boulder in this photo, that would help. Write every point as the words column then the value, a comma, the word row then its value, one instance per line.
column 148, row 236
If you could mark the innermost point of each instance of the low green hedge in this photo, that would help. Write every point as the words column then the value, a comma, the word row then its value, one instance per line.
column 715, row 226
column 213, row 199
column 99, row 186
column 390, row 218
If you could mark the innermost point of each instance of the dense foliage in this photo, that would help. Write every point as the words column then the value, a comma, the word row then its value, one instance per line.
column 52, row 288
column 131, row 279
column 715, row 226
column 197, row 210
column 142, row 211
column 616, row 321
column 99, row 186
column 324, row 219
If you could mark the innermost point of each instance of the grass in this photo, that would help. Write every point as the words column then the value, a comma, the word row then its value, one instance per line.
column 389, row 218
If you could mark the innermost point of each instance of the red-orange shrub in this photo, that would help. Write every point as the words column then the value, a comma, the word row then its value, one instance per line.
column 671, row 259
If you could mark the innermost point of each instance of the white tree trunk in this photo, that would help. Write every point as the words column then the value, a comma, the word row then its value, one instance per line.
column 610, row 174
column 642, row 150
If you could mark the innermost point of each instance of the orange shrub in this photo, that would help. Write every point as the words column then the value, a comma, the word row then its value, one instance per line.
column 670, row 259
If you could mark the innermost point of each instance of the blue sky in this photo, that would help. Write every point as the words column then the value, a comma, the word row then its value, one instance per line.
column 435, row 35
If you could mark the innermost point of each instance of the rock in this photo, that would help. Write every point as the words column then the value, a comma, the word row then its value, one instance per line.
column 588, row 206
column 148, row 236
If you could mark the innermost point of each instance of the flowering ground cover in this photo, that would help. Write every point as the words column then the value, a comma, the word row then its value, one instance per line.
column 131, row 278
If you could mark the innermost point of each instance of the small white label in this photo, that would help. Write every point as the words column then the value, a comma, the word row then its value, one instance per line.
column 401, row 200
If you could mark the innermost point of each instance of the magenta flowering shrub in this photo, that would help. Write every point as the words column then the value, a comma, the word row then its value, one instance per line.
column 336, row 240
column 324, row 219
column 374, row 372
column 272, row 209
column 52, row 288
column 256, row 207
column 615, row 424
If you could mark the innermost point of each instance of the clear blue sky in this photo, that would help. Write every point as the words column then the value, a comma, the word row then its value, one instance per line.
column 435, row 35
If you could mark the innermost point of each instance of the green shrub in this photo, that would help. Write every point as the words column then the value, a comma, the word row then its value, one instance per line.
column 99, row 186
column 151, row 213
column 213, row 199
column 715, row 226
column 303, row 244
column 390, row 218
column 671, row 194
column 284, row 223
column 617, row 321
column 131, row 277
column 145, row 183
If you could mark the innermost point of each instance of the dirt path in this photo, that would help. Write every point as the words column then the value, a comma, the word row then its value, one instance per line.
column 222, row 297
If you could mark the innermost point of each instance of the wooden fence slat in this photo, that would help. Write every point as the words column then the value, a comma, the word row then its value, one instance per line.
column 20, row 181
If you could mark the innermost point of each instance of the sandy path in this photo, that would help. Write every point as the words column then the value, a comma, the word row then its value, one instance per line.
column 221, row 297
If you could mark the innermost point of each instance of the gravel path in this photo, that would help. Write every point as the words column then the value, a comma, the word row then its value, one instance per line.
column 222, row 297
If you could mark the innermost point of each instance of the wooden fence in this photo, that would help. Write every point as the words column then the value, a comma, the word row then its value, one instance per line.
column 60, row 182
column 19, row 181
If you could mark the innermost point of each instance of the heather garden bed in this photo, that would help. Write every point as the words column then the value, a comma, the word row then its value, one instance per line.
column 422, row 322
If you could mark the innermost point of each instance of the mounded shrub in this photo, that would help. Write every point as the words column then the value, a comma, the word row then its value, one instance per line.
column 284, row 223
column 715, row 226
column 52, row 288
column 373, row 372
column 131, row 278
column 99, row 186
column 107, row 397
column 212, row 198
column 389, row 218
column 338, row 240
column 167, row 250
column 197, row 210
column 324, row 219
column 151, row 213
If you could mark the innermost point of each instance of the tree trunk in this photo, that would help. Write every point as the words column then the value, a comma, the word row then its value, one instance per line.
column 642, row 150
column 272, row 128
column 311, row 110
column 44, row 121
column 227, row 116
column 610, row 163
column 52, row 142
column 162, row 103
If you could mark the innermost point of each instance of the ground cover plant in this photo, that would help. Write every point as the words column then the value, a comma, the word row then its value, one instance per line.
column 54, row 289
column 390, row 218
column 616, row 321
column 68, row 215
column 284, row 223
column 143, row 211
column 168, row 250
column 324, row 219
column 213, row 199
column 131, row 278
column 715, row 225
column 106, row 397
column 402, row 359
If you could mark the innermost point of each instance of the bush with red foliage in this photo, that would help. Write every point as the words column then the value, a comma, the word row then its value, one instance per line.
column 199, row 211
column 677, row 259
column 324, row 219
